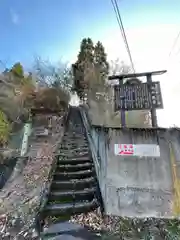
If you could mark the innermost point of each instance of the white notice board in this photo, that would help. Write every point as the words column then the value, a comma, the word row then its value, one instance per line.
column 143, row 150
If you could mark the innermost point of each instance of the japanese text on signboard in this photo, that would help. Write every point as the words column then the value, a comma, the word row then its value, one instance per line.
column 138, row 97
column 125, row 149
column 146, row 150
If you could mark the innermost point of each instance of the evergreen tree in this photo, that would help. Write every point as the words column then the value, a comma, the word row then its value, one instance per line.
column 82, row 66
column 86, row 51
column 101, row 64
column 91, row 67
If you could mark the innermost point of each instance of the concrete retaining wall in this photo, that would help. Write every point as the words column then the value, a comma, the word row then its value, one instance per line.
column 138, row 186
column 103, row 114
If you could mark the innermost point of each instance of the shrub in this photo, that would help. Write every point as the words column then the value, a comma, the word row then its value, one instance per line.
column 5, row 128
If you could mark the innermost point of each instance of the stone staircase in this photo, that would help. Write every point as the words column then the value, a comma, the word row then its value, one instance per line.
column 74, row 186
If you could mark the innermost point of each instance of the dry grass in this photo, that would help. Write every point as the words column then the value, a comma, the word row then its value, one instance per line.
column 112, row 228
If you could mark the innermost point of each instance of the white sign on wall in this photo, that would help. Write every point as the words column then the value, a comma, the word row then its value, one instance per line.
column 144, row 150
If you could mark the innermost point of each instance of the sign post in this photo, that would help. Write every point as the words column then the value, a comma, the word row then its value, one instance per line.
column 123, row 112
column 138, row 96
column 153, row 110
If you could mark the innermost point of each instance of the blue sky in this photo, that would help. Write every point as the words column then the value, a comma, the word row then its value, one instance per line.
column 55, row 28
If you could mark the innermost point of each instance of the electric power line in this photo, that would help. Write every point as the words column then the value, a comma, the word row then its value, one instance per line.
column 120, row 23
column 172, row 48
column 174, row 43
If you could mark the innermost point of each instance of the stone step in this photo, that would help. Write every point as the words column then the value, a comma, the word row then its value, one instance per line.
column 75, row 184
column 74, row 140
column 74, row 167
column 73, row 175
column 72, row 195
column 74, row 149
column 70, row 208
column 74, row 137
column 71, row 198
column 72, row 154
column 70, row 146
column 73, row 160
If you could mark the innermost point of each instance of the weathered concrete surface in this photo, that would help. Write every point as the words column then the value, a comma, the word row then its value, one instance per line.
column 134, row 186
column 139, row 186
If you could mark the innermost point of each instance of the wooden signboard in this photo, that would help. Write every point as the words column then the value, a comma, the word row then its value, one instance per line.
column 143, row 96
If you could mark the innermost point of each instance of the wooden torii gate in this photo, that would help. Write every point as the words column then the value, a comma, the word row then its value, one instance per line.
column 135, row 95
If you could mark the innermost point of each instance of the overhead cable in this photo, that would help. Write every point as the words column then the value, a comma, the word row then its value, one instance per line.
column 120, row 23
column 174, row 43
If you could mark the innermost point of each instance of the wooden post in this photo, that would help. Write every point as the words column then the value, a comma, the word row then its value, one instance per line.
column 153, row 110
column 122, row 112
